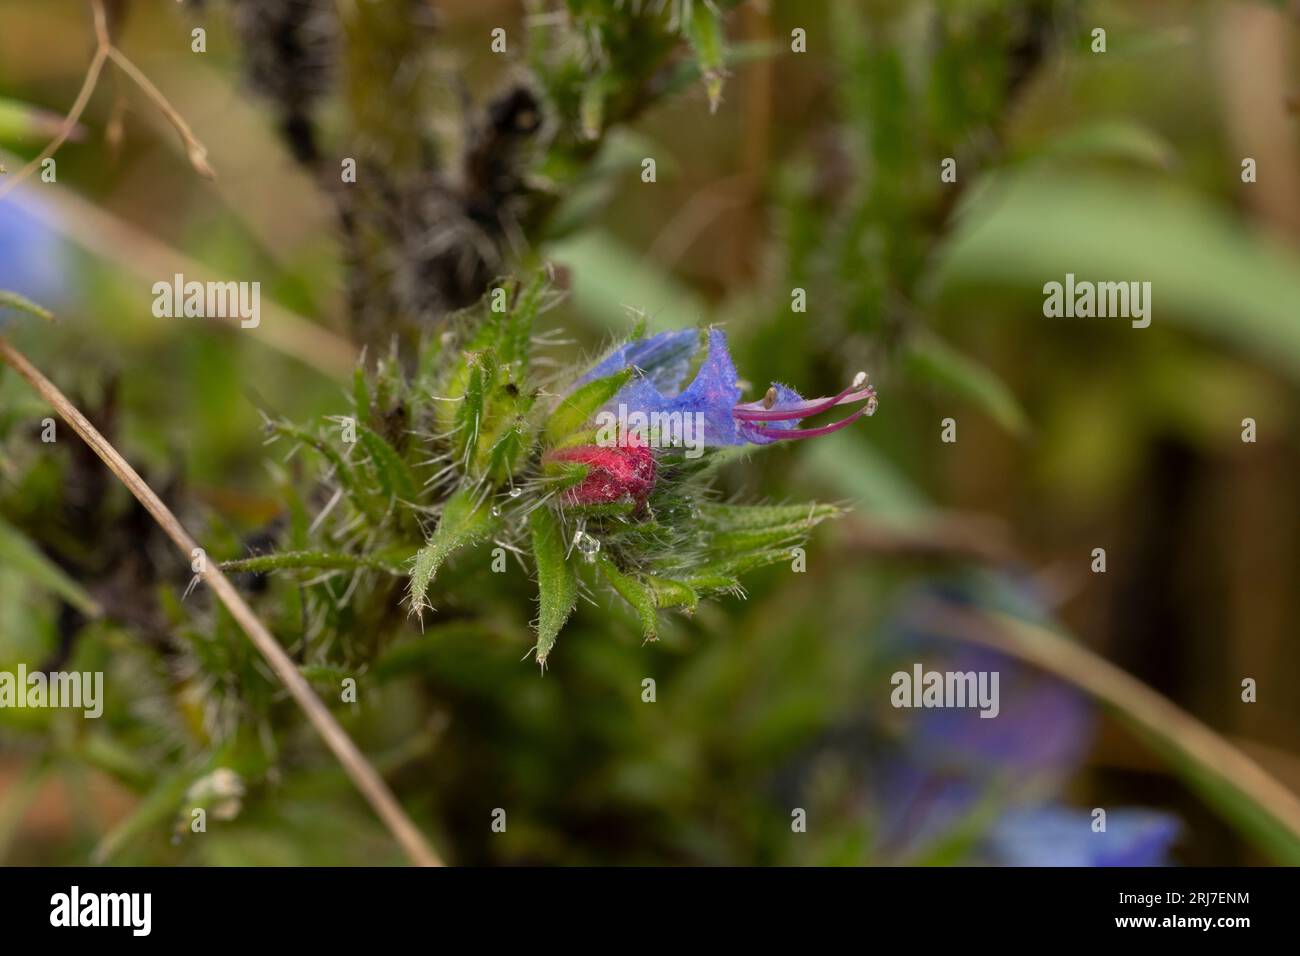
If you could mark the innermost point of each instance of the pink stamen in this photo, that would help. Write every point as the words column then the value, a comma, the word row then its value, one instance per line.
column 756, row 412
column 783, row 433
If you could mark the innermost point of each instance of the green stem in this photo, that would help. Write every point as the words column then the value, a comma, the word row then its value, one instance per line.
column 291, row 560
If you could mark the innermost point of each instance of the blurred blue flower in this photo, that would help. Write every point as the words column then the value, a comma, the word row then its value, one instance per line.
column 31, row 254
column 1054, row 835
column 1044, row 727
column 951, row 774
column 951, row 762
column 663, row 361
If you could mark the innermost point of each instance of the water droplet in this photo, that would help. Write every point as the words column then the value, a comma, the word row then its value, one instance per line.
column 516, row 492
column 496, row 512
column 587, row 545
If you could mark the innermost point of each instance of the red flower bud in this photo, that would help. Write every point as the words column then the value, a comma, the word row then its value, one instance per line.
column 623, row 472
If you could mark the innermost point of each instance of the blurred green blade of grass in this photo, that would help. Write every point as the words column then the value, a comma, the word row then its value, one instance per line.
column 1114, row 139
column 154, row 811
column 608, row 279
column 1206, row 273
column 18, row 553
column 929, row 357
column 12, row 300
column 23, row 123
column 1264, row 830
column 866, row 478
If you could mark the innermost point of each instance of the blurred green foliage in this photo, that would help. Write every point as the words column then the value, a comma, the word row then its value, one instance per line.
column 1067, row 161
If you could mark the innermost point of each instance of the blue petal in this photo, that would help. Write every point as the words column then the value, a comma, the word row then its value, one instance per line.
column 714, row 394
column 664, row 358
column 1062, row 836
column 31, row 255
column 1043, row 728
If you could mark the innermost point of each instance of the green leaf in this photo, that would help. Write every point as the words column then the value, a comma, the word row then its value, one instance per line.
column 557, row 585
column 703, row 30
column 517, row 336
column 578, row 408
column 638, row 596
column 670, row 593
column 391, row 471
column 929, row 357
column 733, row 544
column 465, row 520
column 361, row 394
column 739, row 564
column 762, row 517
column 736, row 529
column 507, row 335
column 21, row 555
column 481, row 373
column 389, row 382
column 1110, row 139
column 712, row 582
column 502, row 459
column 1206, row 272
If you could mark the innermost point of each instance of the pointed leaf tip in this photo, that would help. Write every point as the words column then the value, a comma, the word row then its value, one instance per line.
column 557, row 586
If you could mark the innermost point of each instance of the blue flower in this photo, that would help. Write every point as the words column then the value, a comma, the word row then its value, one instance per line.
column 951, row 762
column 31, row 254
column 663, row 362
column 1054, row 835
column 1043, row 729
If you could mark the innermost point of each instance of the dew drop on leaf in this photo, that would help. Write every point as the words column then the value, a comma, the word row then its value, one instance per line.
column 587, row 545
